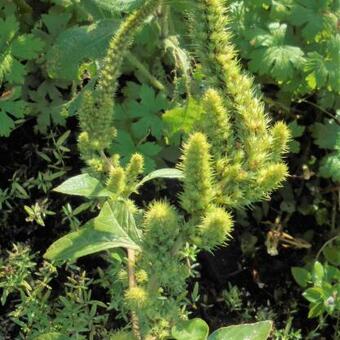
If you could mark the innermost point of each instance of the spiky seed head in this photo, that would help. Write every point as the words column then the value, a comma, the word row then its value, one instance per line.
column 141, row 276
column 136, row 297
column 272, row 176
column 198, row 192
column 116, row 180
column 133, row 170
column 96, row 164
column 161, row 223
column 215, row 228
column 280, row 138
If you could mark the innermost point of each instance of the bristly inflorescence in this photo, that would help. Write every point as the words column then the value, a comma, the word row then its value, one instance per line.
column 120, row 44
column 97, row 106
column 231, row 159
column 249, row 166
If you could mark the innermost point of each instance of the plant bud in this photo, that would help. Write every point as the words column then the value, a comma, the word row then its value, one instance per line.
column 215, row 228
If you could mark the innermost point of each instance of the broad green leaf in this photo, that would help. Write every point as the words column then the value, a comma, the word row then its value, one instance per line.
column 56, row 22
column 83, row 185
column 100, row 9
column 301, row 276
column 162, row 173
column 119, row 5
column 314, row 17
column 273, row 54
column 123, row 212
column 77, row 44
column 332, row 254
column 101, row 233
column 52, row 336
column 255, row 331
column 195, row 329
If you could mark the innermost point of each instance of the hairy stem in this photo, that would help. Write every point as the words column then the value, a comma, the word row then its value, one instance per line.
column 132, row 283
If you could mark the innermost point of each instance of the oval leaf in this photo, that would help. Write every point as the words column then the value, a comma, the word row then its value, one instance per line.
column 83, row 185
column 332, row 254
column 195, row 329
column 77, row 44
column 101, row 233
column 162, row 173
column 254, row 331
column 301, row 276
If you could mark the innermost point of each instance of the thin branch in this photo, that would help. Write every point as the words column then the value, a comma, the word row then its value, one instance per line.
column 134, row 61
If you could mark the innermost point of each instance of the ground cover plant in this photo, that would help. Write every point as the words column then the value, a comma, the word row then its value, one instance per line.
column 149, row 111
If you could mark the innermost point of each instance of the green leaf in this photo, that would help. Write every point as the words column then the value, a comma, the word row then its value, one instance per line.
column 123, row 212
column 10, row 109
column 316, row 310
column 182, row 118
column 101, row 233
column 100, row 9
column 83, row 185
column 27, row 47
column 330, row 166
column 301, row 276
column 327, row 135
column 332, row 254
column 121, row 5
column 313, row 294
column 195, row 329
column 323, row 71
column 296, row 132
column 162, row 173
column 48, row 102
column 9, row 28
column 56, row 22
column 78, row 44
column 6, row 124
column 14, row 49
column 273, row 55
column 318, row 273
column 147, row 110
column 255, row 331
column 296, row 129
column 125, row 146
column 315, row 18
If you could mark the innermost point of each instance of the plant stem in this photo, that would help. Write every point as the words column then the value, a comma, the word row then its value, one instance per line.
column 133, row 60
column 326, row 244
column 132, row 283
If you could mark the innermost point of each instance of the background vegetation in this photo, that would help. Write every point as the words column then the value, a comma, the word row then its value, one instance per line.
column 51, row 50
